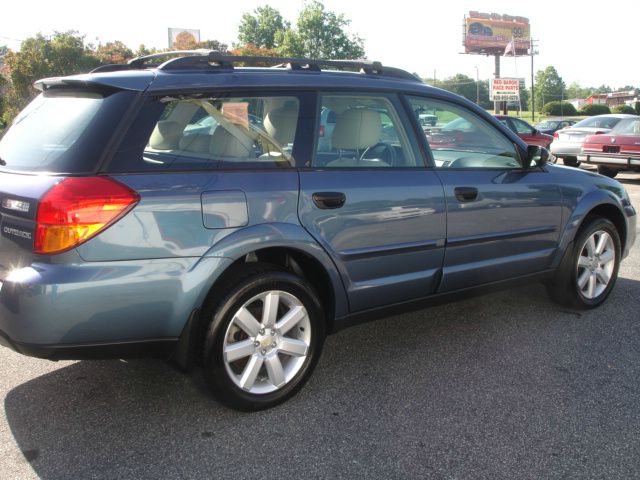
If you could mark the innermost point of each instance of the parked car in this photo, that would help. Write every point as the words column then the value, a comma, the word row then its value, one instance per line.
column 525, row 131
column 615, row 151
column 567, row 143
column 549, row 127
column 123, row 233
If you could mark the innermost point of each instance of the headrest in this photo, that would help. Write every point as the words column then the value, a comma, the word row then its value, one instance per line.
column 281, row 123
column 224, row 144
column 165, row 135
column 356, row 128
column 196, row 143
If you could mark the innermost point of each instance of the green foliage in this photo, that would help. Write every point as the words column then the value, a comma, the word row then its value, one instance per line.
column 637, row 108
column 624, row 109
column 549, row 86
column 262, row 28
column 559, row 109
column 320, row 33
column 576, row 91
column 113, row 52
column 213, row 45
column 594, row 109
column 466, row 87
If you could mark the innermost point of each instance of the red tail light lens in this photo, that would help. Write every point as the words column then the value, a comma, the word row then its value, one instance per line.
column 555, row 135
column 322, row 130
column 76, row 209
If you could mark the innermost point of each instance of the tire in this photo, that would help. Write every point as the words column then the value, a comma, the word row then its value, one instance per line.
column 253, row 362
column 570, row 161
column 589, row 269
column 607, row 171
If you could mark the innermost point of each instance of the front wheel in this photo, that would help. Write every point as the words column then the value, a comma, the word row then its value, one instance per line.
column 571, row 161
column 588, row 273
column 607, row 171
column 264, row 338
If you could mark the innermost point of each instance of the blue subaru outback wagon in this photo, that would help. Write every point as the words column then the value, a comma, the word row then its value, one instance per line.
column 183, row 207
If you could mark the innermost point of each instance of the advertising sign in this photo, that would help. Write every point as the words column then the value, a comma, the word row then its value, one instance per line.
column 492, row 34
column 181, row 37
column 504, row 90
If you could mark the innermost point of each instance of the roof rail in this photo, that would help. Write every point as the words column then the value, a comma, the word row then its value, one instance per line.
column 220, row 60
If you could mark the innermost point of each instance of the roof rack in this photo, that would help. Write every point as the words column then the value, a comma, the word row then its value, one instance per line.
column 216, row 59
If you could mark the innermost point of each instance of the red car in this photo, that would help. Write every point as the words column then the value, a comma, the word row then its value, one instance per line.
column 526, row 132
column 618, row 150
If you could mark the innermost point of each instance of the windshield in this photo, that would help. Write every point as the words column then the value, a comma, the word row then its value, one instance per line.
column 57, row 132
column 598, row 122
column 546, row 125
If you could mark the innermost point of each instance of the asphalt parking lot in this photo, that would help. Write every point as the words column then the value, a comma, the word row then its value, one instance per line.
column 507, row 385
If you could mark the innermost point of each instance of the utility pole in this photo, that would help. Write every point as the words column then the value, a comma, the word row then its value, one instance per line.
column 533, row 91
column 477, row 86
column 496, row 74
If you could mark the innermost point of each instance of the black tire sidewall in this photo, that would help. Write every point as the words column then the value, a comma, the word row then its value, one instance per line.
column 215, row 371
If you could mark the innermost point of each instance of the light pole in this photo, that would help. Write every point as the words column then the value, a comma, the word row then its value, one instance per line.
column 477, row 86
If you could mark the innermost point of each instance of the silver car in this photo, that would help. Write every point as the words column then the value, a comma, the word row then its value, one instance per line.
column 568, row 141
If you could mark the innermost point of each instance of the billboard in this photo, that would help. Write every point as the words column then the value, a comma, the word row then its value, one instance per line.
column 183, row 38
column 504, row 90
column 490, row 33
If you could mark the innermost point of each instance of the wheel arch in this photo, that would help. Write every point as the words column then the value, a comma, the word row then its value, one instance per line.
column 285, row 245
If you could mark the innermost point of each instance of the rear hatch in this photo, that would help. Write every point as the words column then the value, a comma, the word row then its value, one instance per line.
column 63, row 132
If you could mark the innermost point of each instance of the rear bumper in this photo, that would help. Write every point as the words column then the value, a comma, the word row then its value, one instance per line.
column 565, row 149
column 103, row 309
column 156, row 348
column 616, row 161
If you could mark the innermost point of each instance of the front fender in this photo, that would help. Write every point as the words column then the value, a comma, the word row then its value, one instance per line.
column 578, row 212
column 283, row 235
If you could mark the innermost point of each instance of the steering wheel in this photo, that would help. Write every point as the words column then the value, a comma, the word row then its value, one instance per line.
column 380, row 151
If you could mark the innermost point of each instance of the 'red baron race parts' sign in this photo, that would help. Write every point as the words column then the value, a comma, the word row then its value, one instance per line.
column 504, row 90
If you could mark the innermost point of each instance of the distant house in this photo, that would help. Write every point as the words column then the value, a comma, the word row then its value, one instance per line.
column 597, row 99
column 622, row 98
column 577, row 102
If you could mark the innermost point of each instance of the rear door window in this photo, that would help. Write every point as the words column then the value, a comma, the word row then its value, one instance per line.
column 213, row 132
column 63, row 131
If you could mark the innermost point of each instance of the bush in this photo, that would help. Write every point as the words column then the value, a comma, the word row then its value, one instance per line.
column 594, row 109
column 558, row 109
column 624, row 109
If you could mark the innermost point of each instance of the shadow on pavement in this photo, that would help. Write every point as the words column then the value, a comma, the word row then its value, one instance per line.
column 476, row 386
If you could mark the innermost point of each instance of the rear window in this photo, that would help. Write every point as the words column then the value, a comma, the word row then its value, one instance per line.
column 62, row 131
column 598, row 122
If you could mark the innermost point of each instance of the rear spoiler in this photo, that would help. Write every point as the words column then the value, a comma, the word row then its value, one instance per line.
column 136, row 82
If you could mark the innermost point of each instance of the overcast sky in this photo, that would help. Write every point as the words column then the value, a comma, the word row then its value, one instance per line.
column 592, row 44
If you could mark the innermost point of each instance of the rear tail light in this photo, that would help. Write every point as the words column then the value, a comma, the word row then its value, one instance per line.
column 556, row 135
column 322, row 130
column 599, row 133
column 76, row 209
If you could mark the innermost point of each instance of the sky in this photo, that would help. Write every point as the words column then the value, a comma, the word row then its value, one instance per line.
column 588, row 45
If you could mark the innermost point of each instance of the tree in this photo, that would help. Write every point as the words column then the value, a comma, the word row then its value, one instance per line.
column 549, row 86
column 213, row 45
column 113, row 52
column 574, row 90
column 261, row 29
column 252, row 51
column 64, row 53
column 465, row 86
column 320, row 33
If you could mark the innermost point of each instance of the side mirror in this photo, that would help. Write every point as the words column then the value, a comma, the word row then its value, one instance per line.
column 537, row 156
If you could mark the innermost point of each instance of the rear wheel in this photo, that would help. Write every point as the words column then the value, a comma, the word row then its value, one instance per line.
column 264, row 338
column 571, row 161
column 607, row 171
column 589, row 271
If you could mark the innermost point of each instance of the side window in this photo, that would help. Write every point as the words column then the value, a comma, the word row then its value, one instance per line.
column 360, row 131
column 219, row 132
column 460, row 139
column 522, row 127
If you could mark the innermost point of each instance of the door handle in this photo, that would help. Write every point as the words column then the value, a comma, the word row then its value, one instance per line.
column 466, row 194
column 329, row 200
